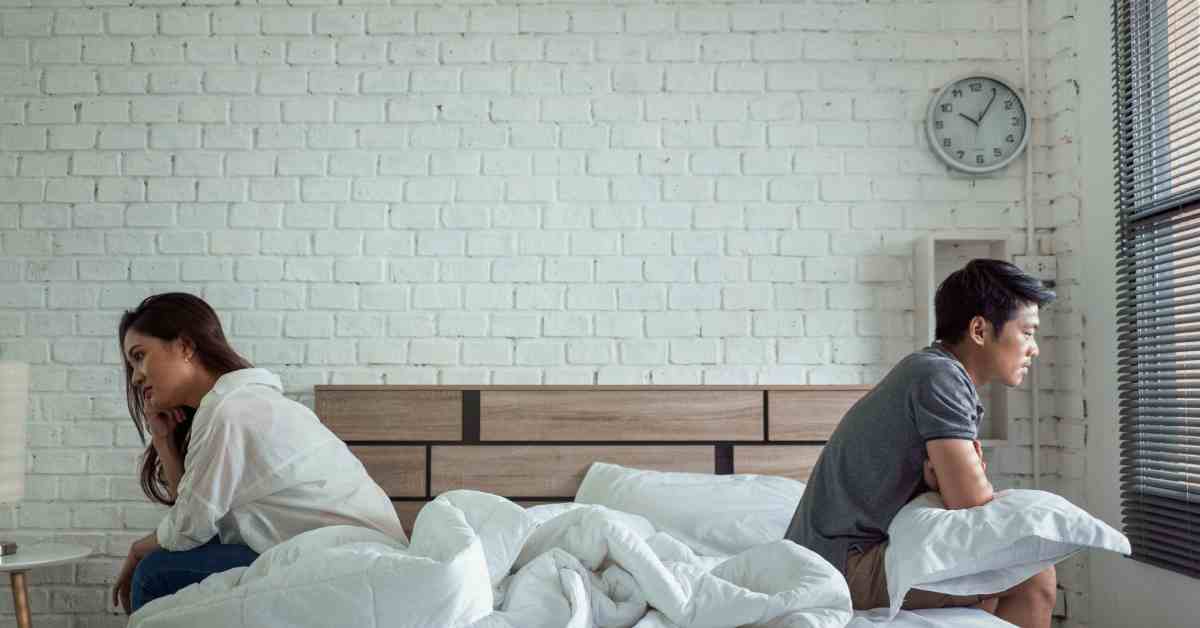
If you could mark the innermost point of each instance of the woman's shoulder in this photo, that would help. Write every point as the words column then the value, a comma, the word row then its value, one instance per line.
column 254, row 393
column 248, row 378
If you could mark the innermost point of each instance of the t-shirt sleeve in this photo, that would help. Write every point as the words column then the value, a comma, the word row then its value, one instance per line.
column 944, row 406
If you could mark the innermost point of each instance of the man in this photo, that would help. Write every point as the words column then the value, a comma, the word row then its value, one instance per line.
column 917, row 431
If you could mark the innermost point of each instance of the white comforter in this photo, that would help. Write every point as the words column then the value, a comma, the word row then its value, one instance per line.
column 479, row 561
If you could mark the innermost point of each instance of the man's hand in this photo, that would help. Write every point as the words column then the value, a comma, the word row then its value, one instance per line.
column 959, row 472
column 979, row 452
column 930, row 477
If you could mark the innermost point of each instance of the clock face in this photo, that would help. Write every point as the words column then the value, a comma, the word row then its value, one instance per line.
column 977, row 124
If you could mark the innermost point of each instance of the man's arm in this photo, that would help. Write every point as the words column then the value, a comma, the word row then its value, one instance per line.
column 960, row 473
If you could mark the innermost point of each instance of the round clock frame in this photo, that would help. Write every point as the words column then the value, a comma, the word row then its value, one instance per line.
column 934, row 114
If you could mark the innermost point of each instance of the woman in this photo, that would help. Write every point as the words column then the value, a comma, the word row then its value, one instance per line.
column 242, row 467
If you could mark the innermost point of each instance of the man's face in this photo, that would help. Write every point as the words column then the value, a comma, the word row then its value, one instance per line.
column 1012, row 351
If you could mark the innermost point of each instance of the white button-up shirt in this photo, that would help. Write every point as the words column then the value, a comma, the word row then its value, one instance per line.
column 261, row 468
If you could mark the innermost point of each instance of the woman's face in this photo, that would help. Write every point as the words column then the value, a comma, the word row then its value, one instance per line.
column 162, row 371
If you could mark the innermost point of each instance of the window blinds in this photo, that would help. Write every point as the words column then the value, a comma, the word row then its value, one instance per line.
column 1156, row 86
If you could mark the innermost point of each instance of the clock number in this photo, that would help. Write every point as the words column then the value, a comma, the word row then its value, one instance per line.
column 960, row 154
column 1008, row 104
column 1016, row 121
column 996, row 152
column 977, row 87
column 1010, row 139
column 938, row 124
column 957, row 93
column 979, row 159
column 946, row 142
column 947, row 108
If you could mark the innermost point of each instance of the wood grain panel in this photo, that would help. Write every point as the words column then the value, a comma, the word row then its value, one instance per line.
column 391, row 414
column 551, row 471
column 633, row 415
column 398, row 469
column 808, row 414
column 407, row 512
column 789, row 461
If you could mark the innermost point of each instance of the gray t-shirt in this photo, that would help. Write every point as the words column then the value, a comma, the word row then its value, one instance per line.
column 873, row 463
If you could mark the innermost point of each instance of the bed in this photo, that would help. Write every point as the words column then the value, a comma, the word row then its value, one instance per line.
column 533, row 444
column 460, row 455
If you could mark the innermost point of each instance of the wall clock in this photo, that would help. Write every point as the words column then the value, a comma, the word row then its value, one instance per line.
column 977, row 124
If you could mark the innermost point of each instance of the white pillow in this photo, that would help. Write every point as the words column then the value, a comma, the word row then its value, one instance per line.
column 715, row 515
column 990, row 548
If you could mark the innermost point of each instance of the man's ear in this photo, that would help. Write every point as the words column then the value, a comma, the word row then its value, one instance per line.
column 977, row 330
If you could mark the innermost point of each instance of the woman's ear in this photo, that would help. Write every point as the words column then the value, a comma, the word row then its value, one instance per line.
column 187, row 348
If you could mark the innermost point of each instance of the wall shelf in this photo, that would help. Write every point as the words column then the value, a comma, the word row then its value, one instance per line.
column 935, row 256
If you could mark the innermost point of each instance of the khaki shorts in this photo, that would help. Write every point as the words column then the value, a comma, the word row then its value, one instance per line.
column 868, row 585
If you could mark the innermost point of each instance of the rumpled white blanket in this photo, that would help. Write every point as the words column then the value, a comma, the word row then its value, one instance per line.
column 479, row 561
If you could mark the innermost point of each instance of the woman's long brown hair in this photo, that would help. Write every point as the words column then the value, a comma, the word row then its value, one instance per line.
column 169, row 316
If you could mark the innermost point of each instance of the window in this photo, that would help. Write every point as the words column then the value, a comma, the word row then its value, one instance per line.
column 1156, row 57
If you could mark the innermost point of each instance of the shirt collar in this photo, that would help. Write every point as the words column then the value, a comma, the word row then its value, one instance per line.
column 233, row 380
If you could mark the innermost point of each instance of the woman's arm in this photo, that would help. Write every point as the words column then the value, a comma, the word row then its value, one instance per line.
column 162, row 430
column 212, row 484
column 140, row 549
column 172, row 464
column 144, row 546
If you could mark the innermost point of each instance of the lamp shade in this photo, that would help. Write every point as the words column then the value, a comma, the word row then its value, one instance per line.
column 14, row 410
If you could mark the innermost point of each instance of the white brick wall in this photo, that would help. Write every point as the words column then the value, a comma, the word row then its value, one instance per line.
column 1058, row 195
column 534, row 193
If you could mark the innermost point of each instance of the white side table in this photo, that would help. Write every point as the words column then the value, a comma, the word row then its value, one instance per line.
column 32, row 557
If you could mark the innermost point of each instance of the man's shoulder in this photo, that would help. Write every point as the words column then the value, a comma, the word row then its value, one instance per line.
column 929, row 365
column 917, row 375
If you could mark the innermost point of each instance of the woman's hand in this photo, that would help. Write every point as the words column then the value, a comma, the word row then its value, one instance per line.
column 120, row 591
column 162, row 422
column 124, row 584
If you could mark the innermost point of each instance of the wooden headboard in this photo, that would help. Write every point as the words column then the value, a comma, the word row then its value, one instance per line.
column 533, row 444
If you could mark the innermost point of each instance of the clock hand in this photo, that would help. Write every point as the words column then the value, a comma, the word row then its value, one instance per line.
column 972, row 120
column 989, row 105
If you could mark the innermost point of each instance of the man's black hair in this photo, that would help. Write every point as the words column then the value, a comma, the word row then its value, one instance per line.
column 990, row 288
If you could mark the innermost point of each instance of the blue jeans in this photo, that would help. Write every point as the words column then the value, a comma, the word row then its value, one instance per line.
column 163, row 573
